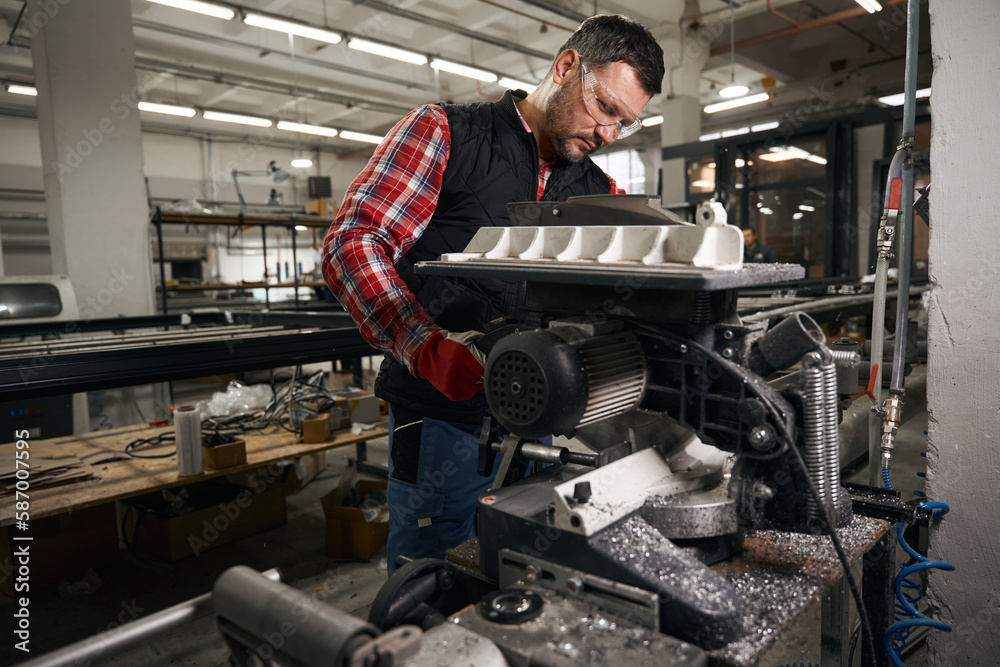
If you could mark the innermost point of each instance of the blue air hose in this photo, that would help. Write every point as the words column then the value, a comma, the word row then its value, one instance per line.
column 105, row 422
column 908, row 592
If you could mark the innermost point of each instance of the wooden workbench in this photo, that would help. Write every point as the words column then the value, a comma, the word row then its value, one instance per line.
column 120, row 476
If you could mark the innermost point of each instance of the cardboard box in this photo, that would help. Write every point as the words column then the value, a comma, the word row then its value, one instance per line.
column 347, row 410
column 348, row 535
column 190, row 534
column 226, row 455
column 316, row 428
column 304, row 470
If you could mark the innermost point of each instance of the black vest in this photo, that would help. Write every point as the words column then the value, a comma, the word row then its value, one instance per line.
column 493, row 161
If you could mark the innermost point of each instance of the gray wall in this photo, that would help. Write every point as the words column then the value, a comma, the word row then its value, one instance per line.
column 964, row 338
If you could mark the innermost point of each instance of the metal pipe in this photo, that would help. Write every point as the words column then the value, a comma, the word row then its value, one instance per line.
column 794, row 30
column 821, row 305
column 105, row 644
column 906, row 205
column 775, row 12
column 526, row 15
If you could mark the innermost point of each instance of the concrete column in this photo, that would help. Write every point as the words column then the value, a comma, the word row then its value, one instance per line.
column 681, row 125
column 84, row 62
column 685, row 59
column 963, row 383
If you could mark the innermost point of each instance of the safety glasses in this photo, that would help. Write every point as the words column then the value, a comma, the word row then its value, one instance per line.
column 604, row 106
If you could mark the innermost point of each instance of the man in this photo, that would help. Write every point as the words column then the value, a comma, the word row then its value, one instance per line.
column 756, row 252
column 440, row 174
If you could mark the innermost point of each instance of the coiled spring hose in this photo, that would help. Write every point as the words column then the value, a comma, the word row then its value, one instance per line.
column 105, row 422
column 907, row 591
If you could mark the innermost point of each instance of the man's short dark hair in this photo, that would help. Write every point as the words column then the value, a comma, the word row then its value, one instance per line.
column 610, row 38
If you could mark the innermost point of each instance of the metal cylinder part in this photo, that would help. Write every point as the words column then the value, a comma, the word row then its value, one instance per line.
column 309, row 631
column 784, row 344
column 539, row 384
column 847, row 359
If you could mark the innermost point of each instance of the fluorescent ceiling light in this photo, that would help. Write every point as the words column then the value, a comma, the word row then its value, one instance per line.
column 292, row 28
column 22, row 90
column 386, row 51
column 798, row 215
column 766, row 211
column 206, row 8
column 738, row 102
column 288, row 126
column 806, row 207
column 169, row 109
column 734, row 90
column 235, row 118
column 897, row 100
column 300, row 228
column 703, row 184
column 710, row 136
column 871, row 5
column 735, row 132
column 301, row 163
column 514, row 84
column 464, row 70
column 782, row 153
column 360, row 136
column 652, row 120
column 764, row 126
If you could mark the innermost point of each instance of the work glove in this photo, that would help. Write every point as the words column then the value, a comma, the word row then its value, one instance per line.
column 452, row 363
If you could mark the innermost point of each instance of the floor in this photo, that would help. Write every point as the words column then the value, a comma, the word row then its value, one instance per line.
column 141, row 584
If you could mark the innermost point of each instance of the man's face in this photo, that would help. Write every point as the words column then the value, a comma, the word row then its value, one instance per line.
column 749, row 237
column 574, row 132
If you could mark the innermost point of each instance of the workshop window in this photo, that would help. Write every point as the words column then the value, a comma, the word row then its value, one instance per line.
column 626, row 168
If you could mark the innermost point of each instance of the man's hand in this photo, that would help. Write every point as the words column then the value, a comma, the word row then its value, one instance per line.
column 452, row 363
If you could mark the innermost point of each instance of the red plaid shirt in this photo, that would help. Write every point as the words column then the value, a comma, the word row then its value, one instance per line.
column 386, row 209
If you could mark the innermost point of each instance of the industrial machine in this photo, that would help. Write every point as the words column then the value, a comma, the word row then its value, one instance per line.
column 629, row 342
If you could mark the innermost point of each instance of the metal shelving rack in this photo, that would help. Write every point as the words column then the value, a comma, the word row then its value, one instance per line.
column 242, row 221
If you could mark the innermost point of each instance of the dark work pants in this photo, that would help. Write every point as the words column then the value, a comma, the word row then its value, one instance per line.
column 433, row 487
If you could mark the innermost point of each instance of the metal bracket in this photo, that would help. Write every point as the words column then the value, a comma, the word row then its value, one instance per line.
column 880, row 503
column 634, row 604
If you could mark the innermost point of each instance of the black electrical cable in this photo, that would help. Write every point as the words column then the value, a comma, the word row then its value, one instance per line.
column 828, row 526
column 155, row 441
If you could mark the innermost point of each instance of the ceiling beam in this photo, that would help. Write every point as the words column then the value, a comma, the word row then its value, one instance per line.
column 802, row 27
column 236, row 44
column 265, row 85
column 558, row 10
column 450, row 27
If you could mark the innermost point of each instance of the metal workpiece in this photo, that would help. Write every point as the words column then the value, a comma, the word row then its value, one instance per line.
column 562, row 232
